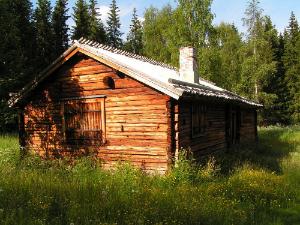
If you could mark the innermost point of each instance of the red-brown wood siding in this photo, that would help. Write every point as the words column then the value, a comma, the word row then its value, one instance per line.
column 137, row 117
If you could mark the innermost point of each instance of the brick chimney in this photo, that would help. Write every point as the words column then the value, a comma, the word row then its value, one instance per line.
column 188, row 65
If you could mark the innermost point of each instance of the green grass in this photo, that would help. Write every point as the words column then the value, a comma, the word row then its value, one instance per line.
column 248, row 185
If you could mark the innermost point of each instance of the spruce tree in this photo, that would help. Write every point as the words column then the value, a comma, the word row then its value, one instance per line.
column 60, row 27
column 293, row 29
column 97, row 30
column 16, row 55
column 292, row 67
column 134, row 38
column 44, row 34
column 82, row 20
column 113, row 26
column 17, row 44
column 278, row 85
column 296, row 90
column 270, row 57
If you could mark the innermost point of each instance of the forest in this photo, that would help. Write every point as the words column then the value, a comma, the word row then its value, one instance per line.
column 261, row 64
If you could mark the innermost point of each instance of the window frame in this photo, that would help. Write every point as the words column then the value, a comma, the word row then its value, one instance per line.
column 85, row 100
column 202, row 119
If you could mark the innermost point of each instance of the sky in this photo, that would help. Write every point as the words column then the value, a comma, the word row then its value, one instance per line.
column 230, row 11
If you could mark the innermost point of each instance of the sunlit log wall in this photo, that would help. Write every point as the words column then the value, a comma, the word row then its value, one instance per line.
column 136, row 116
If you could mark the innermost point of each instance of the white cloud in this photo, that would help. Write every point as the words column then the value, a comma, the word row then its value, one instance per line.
column 141, row 19
column 126, row 10
column 103, row 10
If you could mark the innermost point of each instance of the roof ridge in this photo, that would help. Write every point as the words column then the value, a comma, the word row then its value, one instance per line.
column 95, row 44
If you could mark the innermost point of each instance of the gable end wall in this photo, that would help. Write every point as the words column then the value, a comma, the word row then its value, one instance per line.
column 137, row 116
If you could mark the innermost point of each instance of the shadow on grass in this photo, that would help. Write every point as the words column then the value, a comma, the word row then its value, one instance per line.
column 274, row 145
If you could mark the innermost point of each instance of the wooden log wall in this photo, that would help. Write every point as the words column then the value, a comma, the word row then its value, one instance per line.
column 248, row 130
column 214, row 137
column 137, row 117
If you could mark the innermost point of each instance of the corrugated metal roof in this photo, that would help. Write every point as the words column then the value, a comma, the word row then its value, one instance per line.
column 162, row 77
column 160, row 72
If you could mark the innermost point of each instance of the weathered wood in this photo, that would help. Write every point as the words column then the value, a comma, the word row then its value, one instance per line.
column 214, row 132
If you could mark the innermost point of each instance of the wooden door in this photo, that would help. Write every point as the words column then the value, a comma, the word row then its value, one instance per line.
column 232, row 125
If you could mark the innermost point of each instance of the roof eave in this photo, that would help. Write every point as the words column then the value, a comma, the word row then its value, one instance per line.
column 77, row 47
column 230, row 96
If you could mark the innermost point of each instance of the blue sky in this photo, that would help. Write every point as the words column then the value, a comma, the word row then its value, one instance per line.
column 231, row 11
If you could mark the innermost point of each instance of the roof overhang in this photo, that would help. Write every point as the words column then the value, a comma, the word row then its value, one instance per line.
column 174, row 88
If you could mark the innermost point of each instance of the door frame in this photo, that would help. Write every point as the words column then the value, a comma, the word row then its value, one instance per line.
column 232, row 125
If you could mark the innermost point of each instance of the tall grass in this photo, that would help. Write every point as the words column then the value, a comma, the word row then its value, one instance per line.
column 248, row 185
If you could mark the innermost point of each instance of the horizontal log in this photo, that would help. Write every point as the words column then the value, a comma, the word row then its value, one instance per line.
column 138, row 133
column 136, row 108
column 136, row 129
column 154, row 113
column 133, row 158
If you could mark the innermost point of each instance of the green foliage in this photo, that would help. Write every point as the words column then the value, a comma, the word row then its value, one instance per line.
column 156, row 38
column 253, row 17
column 78, row 191
column 221, row 61
column 16, row 47
column 97, row 30
column 44, row 34
column 198, row 18
column 292, row 66
column 134, row 38
column 166, row 30
column 87, row 22
column 17, row 54
column 263, row 66
column 82, row 19
column 60, row 27
column 260, row 65
column 113, row 26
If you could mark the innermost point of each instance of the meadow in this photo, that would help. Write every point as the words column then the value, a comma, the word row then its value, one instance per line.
column 253, row 184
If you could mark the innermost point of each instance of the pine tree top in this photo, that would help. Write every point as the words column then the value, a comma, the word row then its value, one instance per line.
column 113, row 26
column 82, row 19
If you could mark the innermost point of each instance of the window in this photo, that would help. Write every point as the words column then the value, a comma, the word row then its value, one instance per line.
column 84, row 122
column 198, row 120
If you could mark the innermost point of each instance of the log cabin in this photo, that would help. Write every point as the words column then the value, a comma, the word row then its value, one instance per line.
column 119, row 106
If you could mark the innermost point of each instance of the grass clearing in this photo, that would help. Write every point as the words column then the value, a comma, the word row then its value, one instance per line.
column 248, row 185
